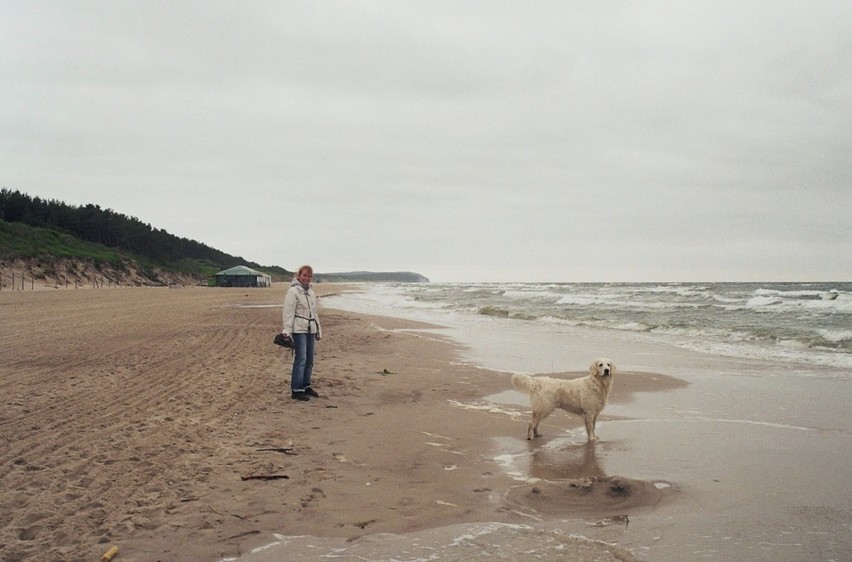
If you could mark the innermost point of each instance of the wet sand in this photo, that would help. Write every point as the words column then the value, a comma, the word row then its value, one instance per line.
column 159, row 421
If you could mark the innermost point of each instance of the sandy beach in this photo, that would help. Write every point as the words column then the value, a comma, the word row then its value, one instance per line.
column 159, row 421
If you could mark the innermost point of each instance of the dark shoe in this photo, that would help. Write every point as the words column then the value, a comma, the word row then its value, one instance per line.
column 311, row 392
column 299, row 396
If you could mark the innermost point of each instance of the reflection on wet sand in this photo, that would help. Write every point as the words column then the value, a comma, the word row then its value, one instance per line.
column 567, row 477
column 558, row 460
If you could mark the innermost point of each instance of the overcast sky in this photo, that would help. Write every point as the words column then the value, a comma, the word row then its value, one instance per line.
column 466, row 141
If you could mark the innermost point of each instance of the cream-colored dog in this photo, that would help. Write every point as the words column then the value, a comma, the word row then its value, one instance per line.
column 585, row 396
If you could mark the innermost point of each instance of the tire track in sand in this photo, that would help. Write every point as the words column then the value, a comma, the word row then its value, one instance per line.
column 90, row 414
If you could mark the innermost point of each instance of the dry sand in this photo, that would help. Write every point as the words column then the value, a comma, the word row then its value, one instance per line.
column 159, row 421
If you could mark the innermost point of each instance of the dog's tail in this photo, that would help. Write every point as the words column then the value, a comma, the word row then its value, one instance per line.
column 521, row 382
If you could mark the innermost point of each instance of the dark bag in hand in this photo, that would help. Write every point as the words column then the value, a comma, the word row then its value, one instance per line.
column 284, row 341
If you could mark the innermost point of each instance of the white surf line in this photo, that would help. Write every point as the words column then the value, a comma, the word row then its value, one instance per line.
column 489, row 407
column 443, row 446
column 437, row 436
column 773, row 425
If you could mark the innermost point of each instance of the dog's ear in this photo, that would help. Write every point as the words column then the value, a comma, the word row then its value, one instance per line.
column 611, row 368
column 593, row 368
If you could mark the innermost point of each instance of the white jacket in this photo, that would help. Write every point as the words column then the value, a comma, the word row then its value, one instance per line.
column 300, row 311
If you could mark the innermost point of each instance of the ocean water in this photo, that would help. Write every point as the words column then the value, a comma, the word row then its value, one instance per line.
column 795, row 323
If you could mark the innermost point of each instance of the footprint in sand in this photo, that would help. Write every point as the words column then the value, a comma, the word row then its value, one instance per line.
column 316, row 494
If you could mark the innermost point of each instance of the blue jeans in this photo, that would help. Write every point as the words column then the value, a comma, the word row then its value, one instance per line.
column 303, row 361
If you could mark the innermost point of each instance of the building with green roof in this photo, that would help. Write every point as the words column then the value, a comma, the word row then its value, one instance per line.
column 242, row 276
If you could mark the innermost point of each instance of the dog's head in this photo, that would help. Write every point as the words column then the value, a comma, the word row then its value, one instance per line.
column 603, row 368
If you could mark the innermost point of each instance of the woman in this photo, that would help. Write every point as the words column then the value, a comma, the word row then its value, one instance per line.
column 301, row 323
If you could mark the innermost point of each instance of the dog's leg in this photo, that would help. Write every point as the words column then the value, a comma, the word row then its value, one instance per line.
column 532, row 429
column 536, row 432
column 538, row 414
column 590, row 420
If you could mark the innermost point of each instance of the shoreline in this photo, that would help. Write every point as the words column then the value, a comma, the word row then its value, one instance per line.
column 146, row 420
